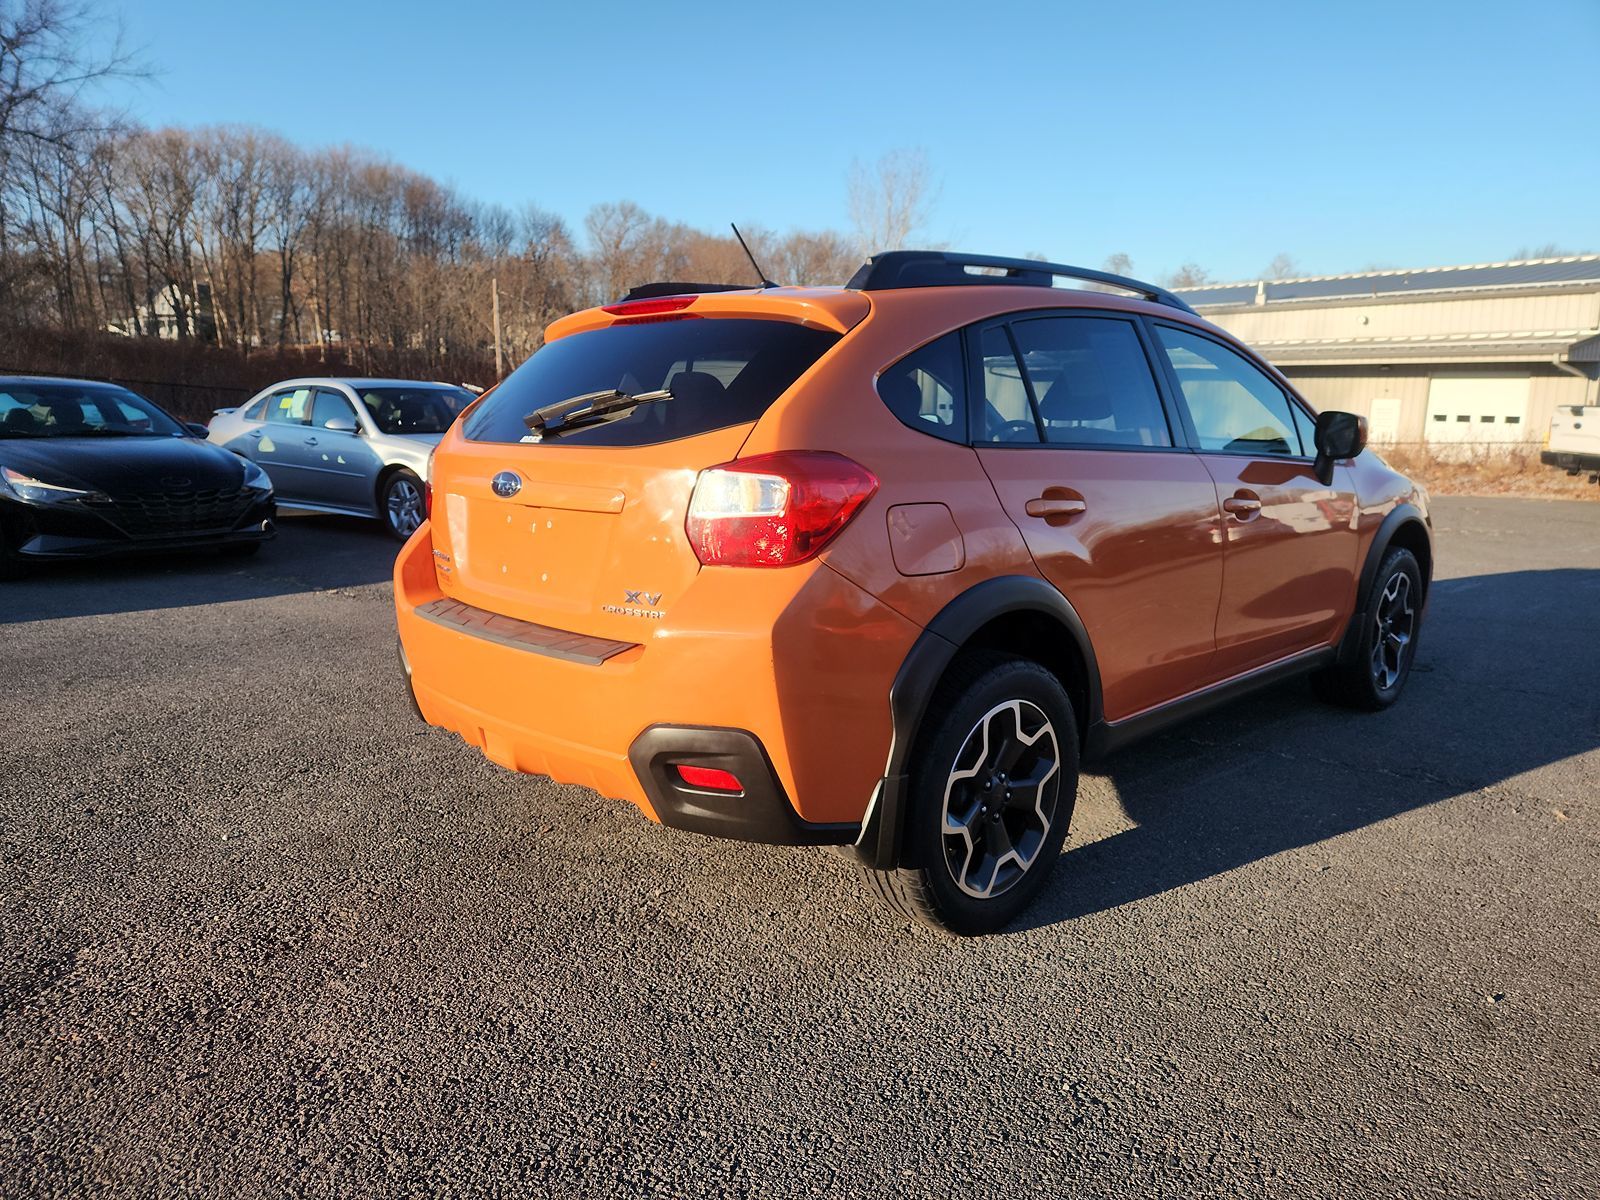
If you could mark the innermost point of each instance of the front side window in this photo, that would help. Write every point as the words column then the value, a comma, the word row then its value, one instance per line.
column 927, row 389
column 414, row 409
column 331, row 406
column 292, row 406
column 1236, row 409
column 1007, row 414
column 1307, row 425
column 1092, row 382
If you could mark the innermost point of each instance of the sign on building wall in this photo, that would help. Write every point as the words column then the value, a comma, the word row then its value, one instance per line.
column 1478, row 413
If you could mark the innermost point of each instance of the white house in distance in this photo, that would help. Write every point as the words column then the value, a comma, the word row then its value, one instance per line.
column 1442, row 356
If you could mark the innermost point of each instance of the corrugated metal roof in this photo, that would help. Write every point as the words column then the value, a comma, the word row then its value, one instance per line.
column 1538, row 345
column 1536, row 272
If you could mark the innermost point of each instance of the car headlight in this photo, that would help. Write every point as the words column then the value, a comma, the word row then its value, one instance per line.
column 36, row 491
column 255, row 478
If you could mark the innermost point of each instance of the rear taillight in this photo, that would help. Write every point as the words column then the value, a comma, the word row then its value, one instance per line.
column 773, row 510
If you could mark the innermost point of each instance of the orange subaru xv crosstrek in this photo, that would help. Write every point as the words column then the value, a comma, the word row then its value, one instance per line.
column 876, row 566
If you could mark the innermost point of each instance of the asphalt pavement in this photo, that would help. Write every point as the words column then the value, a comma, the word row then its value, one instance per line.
column 265, row 933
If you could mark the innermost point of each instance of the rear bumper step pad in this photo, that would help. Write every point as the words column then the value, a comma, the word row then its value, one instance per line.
column 521, row 635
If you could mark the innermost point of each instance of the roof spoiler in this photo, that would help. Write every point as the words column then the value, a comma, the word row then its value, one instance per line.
column 941, row 268
column 645, row 291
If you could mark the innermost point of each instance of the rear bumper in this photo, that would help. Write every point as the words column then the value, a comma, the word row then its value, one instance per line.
column 760, row 812
column 781, row 677
column 1570, row 460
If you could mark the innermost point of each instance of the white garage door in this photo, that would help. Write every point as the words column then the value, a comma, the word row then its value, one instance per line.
column 1477, row 411
column 1383, row 421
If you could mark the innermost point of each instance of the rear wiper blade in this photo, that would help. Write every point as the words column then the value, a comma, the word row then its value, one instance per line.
column 591, row 408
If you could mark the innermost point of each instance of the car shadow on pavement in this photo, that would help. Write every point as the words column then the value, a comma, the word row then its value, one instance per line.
column 312, row 552
column 1504, row 684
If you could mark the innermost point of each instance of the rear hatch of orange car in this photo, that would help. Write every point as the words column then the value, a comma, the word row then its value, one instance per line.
column 577, row 522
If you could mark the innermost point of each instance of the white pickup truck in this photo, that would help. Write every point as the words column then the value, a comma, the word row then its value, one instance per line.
column 1574, row 440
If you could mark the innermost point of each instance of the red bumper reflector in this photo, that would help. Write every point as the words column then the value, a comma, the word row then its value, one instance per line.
column 709, row 778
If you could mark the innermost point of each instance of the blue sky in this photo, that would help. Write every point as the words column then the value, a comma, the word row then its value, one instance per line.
column 1345, row 135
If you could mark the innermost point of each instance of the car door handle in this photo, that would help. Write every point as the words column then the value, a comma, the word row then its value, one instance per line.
column 255, row 432
column 1054, row 506
column 311, row 441
column 1243, row 505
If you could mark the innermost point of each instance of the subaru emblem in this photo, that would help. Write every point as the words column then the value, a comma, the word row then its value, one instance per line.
column 507, row 483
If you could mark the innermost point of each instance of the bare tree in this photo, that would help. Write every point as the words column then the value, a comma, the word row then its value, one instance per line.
column 890, row 201
column 1119, row 264
column 810, row 259
column 1546, row 250
column 1281, row 267
column 45, row 68
column 45, row 72
column 1190, row 275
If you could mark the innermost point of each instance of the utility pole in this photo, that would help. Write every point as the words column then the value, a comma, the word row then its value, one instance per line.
column 494, row 290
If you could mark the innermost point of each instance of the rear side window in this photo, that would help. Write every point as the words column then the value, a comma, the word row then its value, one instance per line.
column 927, row 389
column 1092, row 382
column 720, row 371
column 1007, row 415
column 290, row 407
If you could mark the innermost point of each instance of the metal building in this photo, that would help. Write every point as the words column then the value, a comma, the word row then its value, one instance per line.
column 1475, row 356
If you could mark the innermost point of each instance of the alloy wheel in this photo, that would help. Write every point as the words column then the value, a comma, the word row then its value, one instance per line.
column 1000, row 799
column 404, row 501
column 1396, row 624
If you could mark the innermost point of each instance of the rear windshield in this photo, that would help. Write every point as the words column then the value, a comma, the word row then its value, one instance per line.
column 721, row 372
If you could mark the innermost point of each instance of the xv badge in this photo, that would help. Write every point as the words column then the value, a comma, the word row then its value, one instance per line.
column 650, row 599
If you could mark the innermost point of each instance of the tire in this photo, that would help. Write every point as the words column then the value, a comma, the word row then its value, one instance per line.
column 401, row 503
column 972, row 871
column 1390, row 621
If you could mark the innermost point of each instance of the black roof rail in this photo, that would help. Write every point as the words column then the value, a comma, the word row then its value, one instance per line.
column 645, row 291
column 943, row 268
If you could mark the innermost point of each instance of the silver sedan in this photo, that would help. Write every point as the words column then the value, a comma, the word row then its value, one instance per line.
column 357, row 446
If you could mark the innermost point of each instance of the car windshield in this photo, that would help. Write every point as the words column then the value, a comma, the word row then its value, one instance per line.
column 414, row 409
column 48, row 409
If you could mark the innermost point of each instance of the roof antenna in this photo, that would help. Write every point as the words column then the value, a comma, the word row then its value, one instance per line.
column 760, row 274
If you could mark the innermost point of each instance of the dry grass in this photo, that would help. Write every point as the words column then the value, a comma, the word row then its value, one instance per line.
column 1499, row 472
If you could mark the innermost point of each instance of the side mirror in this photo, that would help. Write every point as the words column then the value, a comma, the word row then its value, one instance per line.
column 199, row 430
column 341, row 425
column 1340, row 435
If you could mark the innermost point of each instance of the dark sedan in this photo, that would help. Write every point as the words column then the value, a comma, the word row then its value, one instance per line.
column 90, row 468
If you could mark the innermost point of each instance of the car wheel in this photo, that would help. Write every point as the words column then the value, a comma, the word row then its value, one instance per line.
column 1381, row 660
column 402, row 507
column 993, row 784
